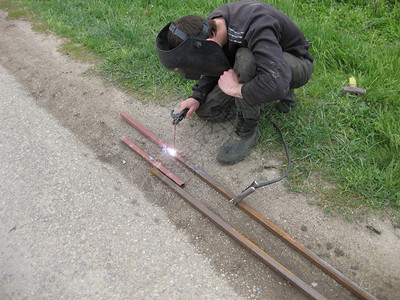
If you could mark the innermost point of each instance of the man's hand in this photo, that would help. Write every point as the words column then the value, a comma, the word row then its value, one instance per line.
column 190, row 103
column 229, row 84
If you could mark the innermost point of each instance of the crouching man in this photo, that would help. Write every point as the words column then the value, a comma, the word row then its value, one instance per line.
column 245, row 54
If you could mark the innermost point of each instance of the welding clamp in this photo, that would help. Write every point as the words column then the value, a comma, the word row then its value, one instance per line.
column 178, row 116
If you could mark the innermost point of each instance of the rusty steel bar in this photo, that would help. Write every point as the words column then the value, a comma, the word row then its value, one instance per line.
column 257, row 216
column 143, row 130
column 208, row 179
column 241, row 239
column 280, row 233
column 307, row 253
column 152, row 161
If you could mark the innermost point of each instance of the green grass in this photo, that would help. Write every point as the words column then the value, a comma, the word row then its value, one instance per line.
column 351, row 142
column 78, row 52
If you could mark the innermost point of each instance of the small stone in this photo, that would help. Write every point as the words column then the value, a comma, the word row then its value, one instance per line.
column 338, row 252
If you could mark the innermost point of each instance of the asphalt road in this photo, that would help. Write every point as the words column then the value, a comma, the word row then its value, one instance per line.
column 73, row 228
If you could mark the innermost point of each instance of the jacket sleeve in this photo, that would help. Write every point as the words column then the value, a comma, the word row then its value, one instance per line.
column 203, row 87
column 273, row 76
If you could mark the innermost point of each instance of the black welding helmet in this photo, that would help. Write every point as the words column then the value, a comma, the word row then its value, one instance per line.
column 194, row 57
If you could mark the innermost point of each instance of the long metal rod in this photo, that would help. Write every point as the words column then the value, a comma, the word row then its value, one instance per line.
column 241, row 239
column 153, row 162
column 143, row 130
column 307, row 253
column 208, row 179
column 281, row 234
column 272, row 227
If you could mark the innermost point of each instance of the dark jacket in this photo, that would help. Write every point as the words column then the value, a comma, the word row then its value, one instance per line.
column 267, row 33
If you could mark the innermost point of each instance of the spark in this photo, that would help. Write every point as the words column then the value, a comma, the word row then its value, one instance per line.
column 169, row 151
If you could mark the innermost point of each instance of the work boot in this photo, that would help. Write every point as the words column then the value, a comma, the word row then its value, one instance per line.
column 237, row 147
column 288, row 103
column 240, row 142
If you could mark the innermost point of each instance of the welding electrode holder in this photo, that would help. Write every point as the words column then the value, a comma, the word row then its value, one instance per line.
column 246, row 192
column 179, row 116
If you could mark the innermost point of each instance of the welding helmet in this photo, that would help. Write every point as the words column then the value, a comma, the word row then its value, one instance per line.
column 194, row 57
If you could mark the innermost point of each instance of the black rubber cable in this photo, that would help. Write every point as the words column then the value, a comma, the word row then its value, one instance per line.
column 289, row 163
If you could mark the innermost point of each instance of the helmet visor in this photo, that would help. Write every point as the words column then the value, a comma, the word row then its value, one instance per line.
column 193, row 58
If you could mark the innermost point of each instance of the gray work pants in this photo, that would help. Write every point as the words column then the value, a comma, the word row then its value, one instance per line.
column 220, row 107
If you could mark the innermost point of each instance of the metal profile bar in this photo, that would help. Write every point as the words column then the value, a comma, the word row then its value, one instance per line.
column 272, row 227
column 144, row 131
column 280, row 233
column 153, row 162
column 241, row 239
column 307, row 253
column 205, row 177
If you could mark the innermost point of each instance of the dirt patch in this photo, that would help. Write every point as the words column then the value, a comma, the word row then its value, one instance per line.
column 79, row 99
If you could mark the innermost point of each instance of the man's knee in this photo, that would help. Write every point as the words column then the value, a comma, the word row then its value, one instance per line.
column 245, row 65
column 301, row 69
column 218, row 107
column 216, row 113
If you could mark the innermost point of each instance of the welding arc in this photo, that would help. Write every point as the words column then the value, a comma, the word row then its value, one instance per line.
column 271, row 226
column 152, row 161
column 232, row 232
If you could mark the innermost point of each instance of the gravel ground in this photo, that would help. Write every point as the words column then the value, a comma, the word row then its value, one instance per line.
column 71, row 227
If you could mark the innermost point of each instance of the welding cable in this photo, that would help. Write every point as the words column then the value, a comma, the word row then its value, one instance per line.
column 289, row 162
column 254, row 185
